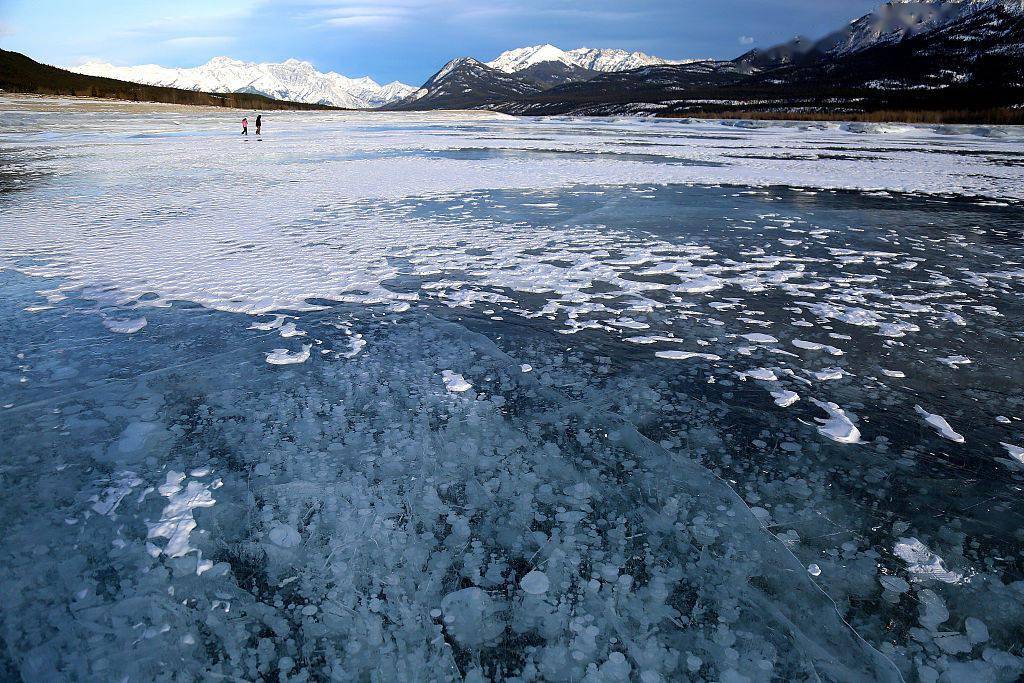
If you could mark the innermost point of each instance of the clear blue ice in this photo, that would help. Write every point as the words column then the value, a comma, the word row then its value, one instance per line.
column 259, row 423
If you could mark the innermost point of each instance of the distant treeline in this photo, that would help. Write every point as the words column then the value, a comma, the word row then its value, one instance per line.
column 1004, row 116
column 20, row 74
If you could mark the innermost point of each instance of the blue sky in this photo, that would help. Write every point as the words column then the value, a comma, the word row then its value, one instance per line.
column 399, row 39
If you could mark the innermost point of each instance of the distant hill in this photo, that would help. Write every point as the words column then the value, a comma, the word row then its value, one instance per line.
column 20, row 74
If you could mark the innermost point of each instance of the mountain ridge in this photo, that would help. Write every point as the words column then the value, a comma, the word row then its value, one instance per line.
column 292, row 80
column 21, row 74
column 906, row 54
column 589, row 59
column 891, row 22
column 299, row 81
column 465, row 82
column 970, row 62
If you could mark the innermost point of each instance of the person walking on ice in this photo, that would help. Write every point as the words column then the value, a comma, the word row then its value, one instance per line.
column 259, row 122
column 245, row 126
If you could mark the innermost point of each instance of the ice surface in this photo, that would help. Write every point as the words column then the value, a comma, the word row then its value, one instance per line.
column 471, row 616
column 284, row 536
column 535, row 583
column 454, row 541
column 212, row 257
column 523, row 345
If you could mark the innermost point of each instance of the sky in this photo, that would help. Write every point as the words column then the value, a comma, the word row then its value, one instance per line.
column 406, row 40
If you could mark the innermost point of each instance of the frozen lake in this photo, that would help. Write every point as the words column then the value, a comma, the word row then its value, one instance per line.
column 463, row 397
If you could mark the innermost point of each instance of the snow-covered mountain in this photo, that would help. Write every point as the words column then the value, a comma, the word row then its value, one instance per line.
column 464, row 83
column 907, row 55
column 520, row 59
column 292, row 80
column 891, row 23
column 981, row 47
column 898, row 20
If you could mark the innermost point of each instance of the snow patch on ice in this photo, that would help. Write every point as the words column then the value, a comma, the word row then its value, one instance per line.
column 106, row 503
column 785, row 398
column 939, row 424
column 838, row 426
column 922, row 563
column 1016, row 452
column 356, row 345
column 815, row 346
column 763, row 374
column 686, row 355
column 266, row 326
column 454, row 382
column 286, row 357
column 176, row 521
column 760, row 338
column 124, row 326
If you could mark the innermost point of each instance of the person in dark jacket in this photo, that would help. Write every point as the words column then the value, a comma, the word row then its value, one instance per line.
column 259, row 122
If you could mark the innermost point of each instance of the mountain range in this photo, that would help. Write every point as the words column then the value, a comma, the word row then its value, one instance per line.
column 892, row 23
column 299, row 81
column 588, row 59
column 964, row 58
column 21, row 74
column 292, row 80
column 906, row 55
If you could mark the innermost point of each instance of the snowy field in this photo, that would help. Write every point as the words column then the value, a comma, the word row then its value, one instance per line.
column 440, row 397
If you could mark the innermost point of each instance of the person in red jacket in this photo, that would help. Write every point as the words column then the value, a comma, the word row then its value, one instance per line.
column 245, row 126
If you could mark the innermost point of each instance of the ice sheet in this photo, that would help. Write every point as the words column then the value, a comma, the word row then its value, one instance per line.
column 685, row 524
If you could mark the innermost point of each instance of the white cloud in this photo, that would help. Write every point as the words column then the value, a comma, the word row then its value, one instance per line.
column 364, row 13
column 198, row 41
column 746, row 40
column 348, row 13
column 6, row 30
column 363, row 20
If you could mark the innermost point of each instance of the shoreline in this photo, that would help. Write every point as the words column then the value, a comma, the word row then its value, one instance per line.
column 1004, row 116
column 80, row 104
